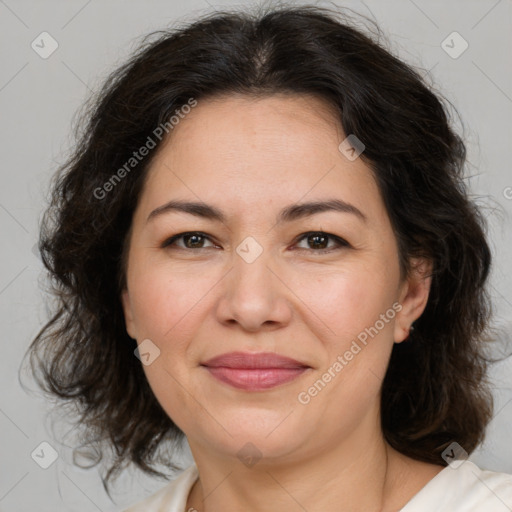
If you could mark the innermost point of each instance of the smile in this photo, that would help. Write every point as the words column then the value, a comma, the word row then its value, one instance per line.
column 255, row 379
column 254, row 371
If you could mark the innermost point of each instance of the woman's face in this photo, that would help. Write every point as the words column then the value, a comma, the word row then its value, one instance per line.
column 255, row 282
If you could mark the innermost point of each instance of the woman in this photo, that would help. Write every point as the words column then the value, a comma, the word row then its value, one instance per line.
column 259, row 210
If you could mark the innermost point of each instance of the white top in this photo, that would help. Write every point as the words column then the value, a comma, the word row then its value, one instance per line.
column 456, row 488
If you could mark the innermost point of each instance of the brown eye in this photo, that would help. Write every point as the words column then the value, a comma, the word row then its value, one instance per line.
column 318, row 241
column 191, row 240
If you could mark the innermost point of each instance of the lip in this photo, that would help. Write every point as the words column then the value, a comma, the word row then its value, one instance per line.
column 253, row 372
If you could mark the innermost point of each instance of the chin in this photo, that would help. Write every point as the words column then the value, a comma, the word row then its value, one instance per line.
column 256, row 436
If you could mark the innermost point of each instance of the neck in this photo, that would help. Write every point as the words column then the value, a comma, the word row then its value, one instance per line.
column 362, row 473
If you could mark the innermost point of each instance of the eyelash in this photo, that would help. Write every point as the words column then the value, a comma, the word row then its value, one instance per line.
column 341, row 243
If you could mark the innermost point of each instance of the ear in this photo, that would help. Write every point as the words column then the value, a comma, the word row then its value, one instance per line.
column 413, row 297
column 128, row 314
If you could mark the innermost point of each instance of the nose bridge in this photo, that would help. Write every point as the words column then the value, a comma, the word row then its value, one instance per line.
column 253, row 295
column 251, row 274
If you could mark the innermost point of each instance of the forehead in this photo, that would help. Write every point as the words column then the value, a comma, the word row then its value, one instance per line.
column 256, row 152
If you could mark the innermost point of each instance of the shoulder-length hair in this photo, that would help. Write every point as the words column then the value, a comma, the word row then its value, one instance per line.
column 435, row 389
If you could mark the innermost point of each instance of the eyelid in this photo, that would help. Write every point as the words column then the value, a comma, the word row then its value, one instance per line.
column 341, row 243
column 170, row 241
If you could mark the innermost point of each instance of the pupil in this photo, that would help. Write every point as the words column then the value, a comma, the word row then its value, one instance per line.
column 317, row 237
column 190, row 237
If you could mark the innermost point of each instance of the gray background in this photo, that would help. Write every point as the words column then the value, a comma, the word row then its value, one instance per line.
column 38, row 101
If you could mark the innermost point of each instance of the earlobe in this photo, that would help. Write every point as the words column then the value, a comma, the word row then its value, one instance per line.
column 414, row 297
column 128, row 314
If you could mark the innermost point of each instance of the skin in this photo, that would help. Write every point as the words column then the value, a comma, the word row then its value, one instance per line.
column 250, row 158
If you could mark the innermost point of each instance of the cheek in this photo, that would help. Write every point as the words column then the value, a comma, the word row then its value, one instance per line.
column 359, row 310
column 164, row 302
column 355, row 340
column 347, row 302
column 154, row 304
column 165, row 309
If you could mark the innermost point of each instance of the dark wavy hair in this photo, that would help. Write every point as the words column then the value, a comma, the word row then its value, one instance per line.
column 435, row 390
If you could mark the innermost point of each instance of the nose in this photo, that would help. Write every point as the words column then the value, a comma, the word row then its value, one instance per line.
column 255, row 295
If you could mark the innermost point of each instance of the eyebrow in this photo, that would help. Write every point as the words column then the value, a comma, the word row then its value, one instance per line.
column 287, row 214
